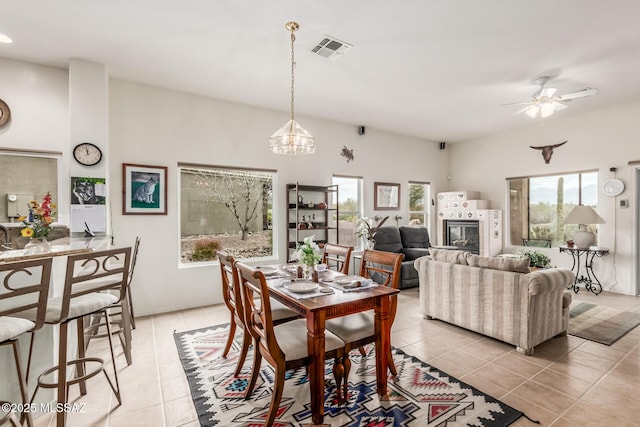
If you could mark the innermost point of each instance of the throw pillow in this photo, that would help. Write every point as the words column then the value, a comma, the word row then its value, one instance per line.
column 445, row 255
column 516, row 265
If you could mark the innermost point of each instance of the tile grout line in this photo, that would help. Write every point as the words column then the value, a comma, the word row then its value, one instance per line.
column 155, row 353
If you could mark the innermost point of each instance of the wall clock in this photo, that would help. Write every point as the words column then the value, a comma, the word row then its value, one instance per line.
column 5, row 113
column 87, row 154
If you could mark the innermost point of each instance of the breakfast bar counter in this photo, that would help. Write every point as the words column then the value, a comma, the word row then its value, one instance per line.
column 59, row 247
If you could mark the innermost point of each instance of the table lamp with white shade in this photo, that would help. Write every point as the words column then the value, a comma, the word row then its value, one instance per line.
column 583, row 216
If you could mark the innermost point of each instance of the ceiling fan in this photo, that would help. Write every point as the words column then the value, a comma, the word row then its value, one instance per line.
column 545, row 101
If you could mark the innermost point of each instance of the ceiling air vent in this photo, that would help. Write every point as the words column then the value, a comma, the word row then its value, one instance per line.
column 330, row 47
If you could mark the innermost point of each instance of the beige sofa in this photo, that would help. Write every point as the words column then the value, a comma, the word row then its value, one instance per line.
column 495, row 296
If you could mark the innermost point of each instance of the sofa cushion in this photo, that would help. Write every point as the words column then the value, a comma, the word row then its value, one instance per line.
column 411, row 254
column 516, row 265
column 388, row 240
column 452, row 257
column 415, row 237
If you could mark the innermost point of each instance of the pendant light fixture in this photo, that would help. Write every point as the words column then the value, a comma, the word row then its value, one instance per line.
column 292, row 139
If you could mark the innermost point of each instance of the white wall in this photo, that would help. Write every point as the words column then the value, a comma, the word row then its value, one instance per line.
column 38, row 97
column 155, row 126
column 598, row 140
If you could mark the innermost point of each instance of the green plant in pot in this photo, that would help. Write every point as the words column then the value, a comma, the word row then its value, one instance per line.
column 536, row 258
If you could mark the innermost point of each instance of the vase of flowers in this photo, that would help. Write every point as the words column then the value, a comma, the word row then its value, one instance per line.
column 367, row 231
column 37, row 224
column 308, row 254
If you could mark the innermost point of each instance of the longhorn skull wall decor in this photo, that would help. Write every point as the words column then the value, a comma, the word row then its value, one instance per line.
column 547, row 150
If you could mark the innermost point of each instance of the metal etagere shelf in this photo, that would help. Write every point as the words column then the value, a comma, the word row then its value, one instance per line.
column 311, row 211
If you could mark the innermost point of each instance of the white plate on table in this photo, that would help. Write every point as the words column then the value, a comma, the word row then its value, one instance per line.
column 268, row 271
column 301, row 287
column 346, row 280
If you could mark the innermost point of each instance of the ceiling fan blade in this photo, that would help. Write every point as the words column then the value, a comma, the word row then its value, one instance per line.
column 579, row 94
column 519, row 103
column 522, row 110
column 558, row 106
column 547, row 92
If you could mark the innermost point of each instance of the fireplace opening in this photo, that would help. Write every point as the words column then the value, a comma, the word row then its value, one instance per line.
column 464, row 234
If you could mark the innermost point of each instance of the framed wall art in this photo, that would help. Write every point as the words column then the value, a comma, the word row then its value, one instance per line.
column 386, row 196
column 144, row 189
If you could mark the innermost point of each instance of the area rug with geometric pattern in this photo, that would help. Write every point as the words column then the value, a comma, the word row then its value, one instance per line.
column 420, row 395
column 604, row 325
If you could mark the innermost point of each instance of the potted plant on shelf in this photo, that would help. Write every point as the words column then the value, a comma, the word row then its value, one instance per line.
column 536, row 258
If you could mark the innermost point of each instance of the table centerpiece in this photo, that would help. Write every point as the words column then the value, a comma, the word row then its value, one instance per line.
column 37, row 224
column 308, row 254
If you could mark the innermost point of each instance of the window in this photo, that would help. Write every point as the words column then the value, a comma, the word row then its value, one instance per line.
column 349, row 208
column 538, row 205
column 419, row 196
column 225, row 208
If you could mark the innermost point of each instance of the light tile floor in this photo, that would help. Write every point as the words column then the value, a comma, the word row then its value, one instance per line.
column 567, row 382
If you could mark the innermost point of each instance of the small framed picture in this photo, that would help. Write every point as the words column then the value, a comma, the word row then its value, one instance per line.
column 144, row 189
column 386, row 196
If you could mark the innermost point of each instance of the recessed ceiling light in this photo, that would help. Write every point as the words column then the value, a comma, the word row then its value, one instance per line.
column 5, row 39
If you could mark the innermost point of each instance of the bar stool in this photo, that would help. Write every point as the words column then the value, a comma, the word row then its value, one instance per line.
column 8, row 418
column 88, row 280
column 25, row 286
column 121, row 315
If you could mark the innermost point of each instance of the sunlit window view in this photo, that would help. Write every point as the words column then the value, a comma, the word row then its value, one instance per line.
column 419, row 197
column 349, row 208
column 538, row 206
column 228, row 209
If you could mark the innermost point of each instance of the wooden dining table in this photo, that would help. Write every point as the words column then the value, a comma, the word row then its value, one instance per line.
column 317, row 309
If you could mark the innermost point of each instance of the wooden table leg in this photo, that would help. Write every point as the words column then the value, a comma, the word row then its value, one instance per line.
column 383, row 343
column 316, row 344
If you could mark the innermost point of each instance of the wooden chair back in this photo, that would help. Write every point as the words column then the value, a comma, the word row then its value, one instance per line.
column 384, row 266
column 231, row 292
column 337, row 257
column 257, row 310
column 25, row 286
column 96, row 271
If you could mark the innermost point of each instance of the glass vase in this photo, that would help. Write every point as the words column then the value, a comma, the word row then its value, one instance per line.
column 307, row 271
column 37, row 245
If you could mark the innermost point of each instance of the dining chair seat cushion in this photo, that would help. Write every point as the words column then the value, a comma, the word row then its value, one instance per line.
column 13, row 327
column 353, row 327
column 292, row 339
column 280, row 311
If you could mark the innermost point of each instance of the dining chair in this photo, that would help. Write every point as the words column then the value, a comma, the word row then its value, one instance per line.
column 358, row 329
column 337, row 257
column 233, row 300
column 122, row 322
column 24, row 286
column 283, row 346
column 94, row 282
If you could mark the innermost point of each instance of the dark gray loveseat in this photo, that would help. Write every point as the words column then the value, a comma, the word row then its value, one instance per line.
column 413, row 242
